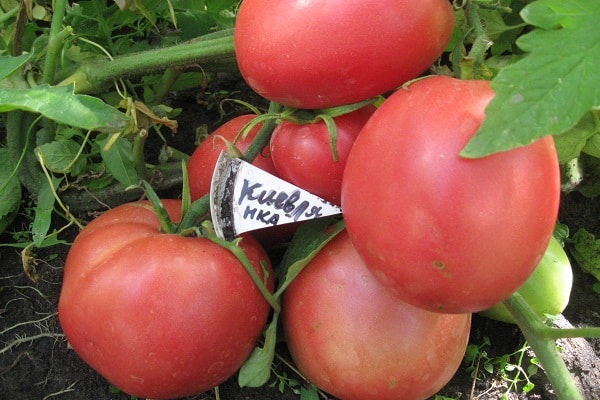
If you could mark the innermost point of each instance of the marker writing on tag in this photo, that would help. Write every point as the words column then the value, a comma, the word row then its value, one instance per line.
column 286, row 202
column 245, row 198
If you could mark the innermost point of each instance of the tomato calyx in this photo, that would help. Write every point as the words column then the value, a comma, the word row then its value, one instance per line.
column 235, row 249
column 195, row 222
column 278, row 113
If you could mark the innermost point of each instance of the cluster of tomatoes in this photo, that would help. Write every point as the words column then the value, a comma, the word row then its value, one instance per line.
column 383, row 311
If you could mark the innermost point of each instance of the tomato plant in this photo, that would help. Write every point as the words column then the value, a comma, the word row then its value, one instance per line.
column 159, row 315
column 447, row 233
column 324, row 54
column 202, row 163
column 548, row 288
column 353, row 338
column 303, row 155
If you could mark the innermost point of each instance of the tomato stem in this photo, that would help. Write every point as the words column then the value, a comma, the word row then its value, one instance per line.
column 473, row 63
column 215, row 52
column 262, row 138
column 56, row 40
column 239, row 253
column 20, row 140
column 138, row 154
column 544, row 348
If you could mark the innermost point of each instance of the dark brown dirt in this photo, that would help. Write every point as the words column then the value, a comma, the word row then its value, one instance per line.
column 36, row 362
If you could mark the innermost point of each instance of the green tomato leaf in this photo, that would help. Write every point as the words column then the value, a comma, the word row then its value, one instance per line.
column 581, row 137
column 62, row 156
column 589, row 181
column 592, row 146
column 548, row 91
column 61, row 104
column 10, row 190
column 43, row 210
column 9, row 64
column 308, row 240
column 119, row 160
column 586, row 251
column 256, row 371
column 311, row 393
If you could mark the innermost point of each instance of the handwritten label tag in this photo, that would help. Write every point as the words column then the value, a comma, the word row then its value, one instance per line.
column 244, row 198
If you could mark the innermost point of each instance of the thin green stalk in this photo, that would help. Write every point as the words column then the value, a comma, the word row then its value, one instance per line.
column 9, row 14
column 196, row 212
column 263, row 136
column 545, row 349
column 560, row 333
column 166, row 224
column 239, row 253
column 59, row 8
column 138, row 155
column 55, row 41
column 207, row 51
column 167, row 80
column 82, row 200
column 20, row 140
column 481, row 43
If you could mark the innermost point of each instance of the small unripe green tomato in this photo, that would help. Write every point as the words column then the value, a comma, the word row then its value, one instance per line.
column 547, row 290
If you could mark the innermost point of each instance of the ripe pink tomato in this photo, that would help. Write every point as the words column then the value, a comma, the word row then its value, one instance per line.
column 202, row 163
column 159, row 315
column 318, row 54
column 353, row 338
column 302, row 153
column 447, row 233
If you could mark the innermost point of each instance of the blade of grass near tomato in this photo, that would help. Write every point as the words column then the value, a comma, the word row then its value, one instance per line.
column 308, row 240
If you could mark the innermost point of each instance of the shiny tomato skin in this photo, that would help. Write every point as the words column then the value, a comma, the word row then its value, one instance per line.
column 447, row 233
column 302, row 153
column 319, row 54
column 548, row 288
column 353, row 338
column 159, row 315
column 202, row 162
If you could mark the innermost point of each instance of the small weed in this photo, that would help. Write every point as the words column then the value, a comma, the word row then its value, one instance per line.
column 298, row 385
column 283, row 382
column 515, row 369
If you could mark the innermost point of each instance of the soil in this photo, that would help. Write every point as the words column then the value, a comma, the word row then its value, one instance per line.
column 37, row 363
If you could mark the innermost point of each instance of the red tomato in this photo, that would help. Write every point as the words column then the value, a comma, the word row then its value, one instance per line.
column 302, row 153
column 353, row 338
column 159, row 315
column 318, row 54
column 202, row 163
column 448, row 233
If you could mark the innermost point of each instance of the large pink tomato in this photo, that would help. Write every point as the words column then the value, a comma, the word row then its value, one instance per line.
column 318, row 54
column 447, row 233
column 159, row 315
column 351, row 337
